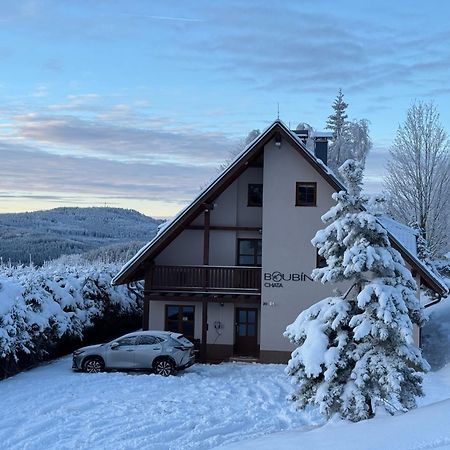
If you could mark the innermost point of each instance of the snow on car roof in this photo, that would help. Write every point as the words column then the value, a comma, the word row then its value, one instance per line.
column 151, row 333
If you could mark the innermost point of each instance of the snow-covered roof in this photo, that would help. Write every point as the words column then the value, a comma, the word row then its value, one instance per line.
column 407, row 238
column 400, row 234
column 404, row 234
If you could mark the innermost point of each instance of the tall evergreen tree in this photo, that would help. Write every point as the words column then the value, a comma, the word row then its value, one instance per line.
column 337, row 122
column 350, row 138
column 356, row 352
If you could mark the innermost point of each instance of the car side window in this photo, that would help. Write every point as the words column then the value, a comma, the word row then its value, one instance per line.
column 147, row 340
column 127, row 341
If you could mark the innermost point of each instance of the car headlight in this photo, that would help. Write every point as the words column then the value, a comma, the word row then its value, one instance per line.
column 78, row 352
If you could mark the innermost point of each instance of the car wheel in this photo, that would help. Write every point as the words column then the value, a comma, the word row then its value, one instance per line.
column 93, row 365
column 164, row 367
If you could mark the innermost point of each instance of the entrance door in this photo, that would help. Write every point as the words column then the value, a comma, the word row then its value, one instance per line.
column 246, row 342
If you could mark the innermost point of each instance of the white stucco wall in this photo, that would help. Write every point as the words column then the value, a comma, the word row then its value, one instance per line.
column 287, row 234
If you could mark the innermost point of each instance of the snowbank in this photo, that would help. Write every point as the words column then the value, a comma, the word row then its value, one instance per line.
column 423, row 428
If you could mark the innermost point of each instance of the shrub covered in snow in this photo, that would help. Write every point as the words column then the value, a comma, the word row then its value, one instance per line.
column 356, row 352
column 40, row 307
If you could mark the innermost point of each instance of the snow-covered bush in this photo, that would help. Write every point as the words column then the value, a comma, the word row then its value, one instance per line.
column 40, row 307
column 356, row 351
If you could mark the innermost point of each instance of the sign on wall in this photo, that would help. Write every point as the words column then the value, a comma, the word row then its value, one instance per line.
column 275, row 279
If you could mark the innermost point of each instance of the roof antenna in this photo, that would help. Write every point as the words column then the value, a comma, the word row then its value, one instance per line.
column 278, row 111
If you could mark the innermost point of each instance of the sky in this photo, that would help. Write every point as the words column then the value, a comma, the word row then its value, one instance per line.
column 135, row 103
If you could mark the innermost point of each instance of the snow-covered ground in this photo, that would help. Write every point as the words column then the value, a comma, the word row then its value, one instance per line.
column 51, row 407
column 207, row 405
column 427, row 427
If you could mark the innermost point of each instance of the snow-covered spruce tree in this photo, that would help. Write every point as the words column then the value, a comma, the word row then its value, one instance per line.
column 337, row 122
column 356, row 351
column 351, row 139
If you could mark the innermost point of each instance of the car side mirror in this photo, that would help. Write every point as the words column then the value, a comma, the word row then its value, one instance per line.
column 114, row 345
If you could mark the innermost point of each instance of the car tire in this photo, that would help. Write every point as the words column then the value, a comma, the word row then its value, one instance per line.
column 164, row 367
column 93, row 365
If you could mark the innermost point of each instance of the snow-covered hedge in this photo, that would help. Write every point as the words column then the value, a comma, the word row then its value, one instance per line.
column 42, row 307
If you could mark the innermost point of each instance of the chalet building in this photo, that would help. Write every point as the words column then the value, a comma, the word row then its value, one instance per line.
column 232, row 270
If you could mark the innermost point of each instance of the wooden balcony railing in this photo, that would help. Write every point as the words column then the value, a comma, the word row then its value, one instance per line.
column 237, row 279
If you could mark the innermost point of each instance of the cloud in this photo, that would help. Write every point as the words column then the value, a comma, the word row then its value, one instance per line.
column 312, row 48
column 40, row 91
column 169, row 18
column 79, row 102
column 375, row 169
column 303, row 47
column 55, row 65
column 35, row 173
column 123, row 142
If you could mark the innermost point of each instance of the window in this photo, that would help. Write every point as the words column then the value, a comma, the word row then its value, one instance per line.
column 149, row 340
column 255, row 195
column 305, row 194
column 181, row 319
column 127, row 341
column 249, row 252
column 320, row 260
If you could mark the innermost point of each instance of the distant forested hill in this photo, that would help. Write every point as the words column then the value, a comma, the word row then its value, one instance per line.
column 46, row 235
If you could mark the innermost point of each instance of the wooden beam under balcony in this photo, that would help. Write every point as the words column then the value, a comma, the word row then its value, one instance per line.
column 210, row 297
column 223, row 228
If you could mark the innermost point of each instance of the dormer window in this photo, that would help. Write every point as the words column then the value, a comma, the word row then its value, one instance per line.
column 255, row 195
column 305, row 193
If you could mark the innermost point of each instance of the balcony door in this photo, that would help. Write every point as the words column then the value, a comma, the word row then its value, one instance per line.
column 246, row 337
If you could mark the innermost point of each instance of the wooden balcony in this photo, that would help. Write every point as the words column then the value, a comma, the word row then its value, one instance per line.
column 218, row 279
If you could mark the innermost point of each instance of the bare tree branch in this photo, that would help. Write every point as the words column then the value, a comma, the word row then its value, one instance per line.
column 418, row 175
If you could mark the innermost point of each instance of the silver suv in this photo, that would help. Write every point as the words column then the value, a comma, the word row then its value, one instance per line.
column 161, row 351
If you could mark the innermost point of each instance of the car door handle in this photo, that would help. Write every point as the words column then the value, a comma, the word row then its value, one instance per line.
column 156, row 348
column 130, row 350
